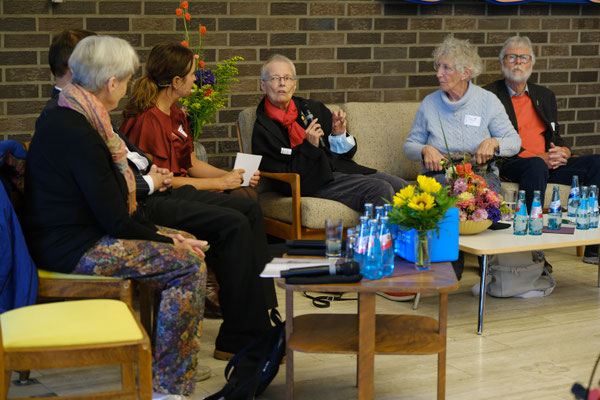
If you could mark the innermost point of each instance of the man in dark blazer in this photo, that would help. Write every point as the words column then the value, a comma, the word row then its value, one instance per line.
column 532, row 109
column 233, row 225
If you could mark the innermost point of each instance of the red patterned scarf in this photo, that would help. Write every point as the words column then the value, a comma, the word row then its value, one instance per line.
column 288, row 120
column 84, row 102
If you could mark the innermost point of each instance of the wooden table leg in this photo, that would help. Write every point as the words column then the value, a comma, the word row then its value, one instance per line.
column 289, row 353
column 366, row 345
column 482, row 294
column 443, row 322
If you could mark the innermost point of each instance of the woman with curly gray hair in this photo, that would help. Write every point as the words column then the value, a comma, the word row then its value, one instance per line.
column 472, row 119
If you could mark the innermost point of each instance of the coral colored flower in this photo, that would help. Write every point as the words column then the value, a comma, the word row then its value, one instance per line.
column 423, row 201
column 462, row 215
column 202, row 30
column 429, row 185
column 208, row 92
column 184, row 4
column 200, row 64
column 187, row 16
column 179, row 12
column 196, row 56
column 184, row 43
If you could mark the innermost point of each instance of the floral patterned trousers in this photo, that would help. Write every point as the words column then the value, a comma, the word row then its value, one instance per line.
column 181, row 275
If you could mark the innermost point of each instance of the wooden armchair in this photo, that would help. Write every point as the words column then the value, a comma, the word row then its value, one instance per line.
column 77, row 334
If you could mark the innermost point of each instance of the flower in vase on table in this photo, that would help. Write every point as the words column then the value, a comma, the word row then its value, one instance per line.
column 476, row 202
column 209, row 92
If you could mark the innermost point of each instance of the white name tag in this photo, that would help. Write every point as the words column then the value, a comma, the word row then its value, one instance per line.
column 553, row 126
column 180, row 130
column 286, row 151
column 472, row 120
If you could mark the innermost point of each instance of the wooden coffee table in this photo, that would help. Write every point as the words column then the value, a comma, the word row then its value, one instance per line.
column 366, row 333
column 502, row 241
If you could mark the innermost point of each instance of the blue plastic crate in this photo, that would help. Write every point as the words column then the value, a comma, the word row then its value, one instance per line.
column 443, row 247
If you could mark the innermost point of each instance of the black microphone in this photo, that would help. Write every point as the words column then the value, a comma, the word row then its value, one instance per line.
column 346, row 268
column 309, row 117
column 579, row 391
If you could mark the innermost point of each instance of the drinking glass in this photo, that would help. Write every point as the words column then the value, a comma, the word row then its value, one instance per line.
column 333, row 237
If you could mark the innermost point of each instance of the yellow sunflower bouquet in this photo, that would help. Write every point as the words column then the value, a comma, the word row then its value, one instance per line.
column 421, row 206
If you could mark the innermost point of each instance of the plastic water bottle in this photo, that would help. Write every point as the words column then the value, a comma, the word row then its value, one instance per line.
column 593, row 206
column 520, row 219
column 582, row 220
column 573, row 202
column 369, row 210
column 387, row 248
column 536, row 218
column 372, row 268
column 555, row 210
column 360, row 250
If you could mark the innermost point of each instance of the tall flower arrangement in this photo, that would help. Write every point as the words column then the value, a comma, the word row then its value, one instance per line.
column 209, row 93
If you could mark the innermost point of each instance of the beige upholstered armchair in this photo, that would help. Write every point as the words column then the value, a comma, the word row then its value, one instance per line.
column 380, row 130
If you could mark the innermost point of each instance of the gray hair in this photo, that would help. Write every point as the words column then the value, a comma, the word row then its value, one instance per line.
column 96, row 59
column 517, row 41
column 276, row 58
column 462, row 53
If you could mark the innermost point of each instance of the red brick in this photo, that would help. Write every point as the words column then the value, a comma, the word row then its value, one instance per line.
column 584, row 76
column 246, row 100
column 14, row 124
column 353, row 82
column 399, row 95
column 460, row 24
column 562, row 63
column 289, row 53
column 400, row 8
column 248, row 39
column 537, row 37
column 589, row 63
column 26, row 40
column 354, row 24
column 107, row 24
column 564, row 9
column 152, row 24
column 389, row 52
column 431, row 37
column 252, row 8
column 228, row 146
column 584, row 50
column 549, row 77
column 56, row 24
column 365, row 9
column 525, row 23
column 248, row 54
column 27, row 74
column 288, row 39
column 392, row 23
column 473, row 37
column 134, row 39
column 473, row 8
column 425, row 24
column 246, row 85
column 492, row 23
column 558, row 50
column 289, row 8
column 584, row 89
column 18, row 58
column 363, row 68
column 25, row 107
column 423, row 80
column 74, row 7
column 277, row 24
column 563, row 37
column 17, row 24
column 326, row 68
column 535, row 9
column 326, row 53
column 364, row 38
column 501, row 10
column 582, row 102
column 363, row 95
column 353, row 53
column 328, row 97
column 237, row 24
column 590, row 36
column 228, row 115
column 317, row 39
column 315, row 83
column 591, row 140
column 327, row 9
column 27, row 7
column 556, row 23
column 400, row 67
column 399, row 38
column 152, row 39
column 587, row 127
column 387, row 82
column 317, row 24
column 420, row 52
column 215, row 131
column 120, row 7
column 563, row 90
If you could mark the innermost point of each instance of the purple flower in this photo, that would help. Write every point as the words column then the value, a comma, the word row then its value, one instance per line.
column 460, row 186
column 494, row 214
column 479, row 215
column 204, row 77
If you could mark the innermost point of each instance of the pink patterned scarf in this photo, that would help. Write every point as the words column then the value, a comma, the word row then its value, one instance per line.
column 84, row 102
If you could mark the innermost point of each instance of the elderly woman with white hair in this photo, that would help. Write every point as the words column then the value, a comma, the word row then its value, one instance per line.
column 80, row 209
column 472, row 119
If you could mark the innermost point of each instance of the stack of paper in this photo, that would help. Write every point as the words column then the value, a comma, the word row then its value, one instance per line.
column 274, row 268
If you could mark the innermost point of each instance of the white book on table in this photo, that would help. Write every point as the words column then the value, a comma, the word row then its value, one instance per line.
column 274, row 268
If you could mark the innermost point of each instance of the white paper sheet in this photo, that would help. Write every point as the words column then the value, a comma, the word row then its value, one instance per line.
column 274, row 268
column 249, row 163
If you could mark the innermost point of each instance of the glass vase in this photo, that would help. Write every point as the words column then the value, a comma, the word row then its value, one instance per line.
column 422, row 247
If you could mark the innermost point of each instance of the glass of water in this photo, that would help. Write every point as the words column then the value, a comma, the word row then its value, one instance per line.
column 333, row 237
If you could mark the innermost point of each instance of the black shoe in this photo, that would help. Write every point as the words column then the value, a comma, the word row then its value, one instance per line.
column 459, row 265
column 547, row 266
column 590, row 255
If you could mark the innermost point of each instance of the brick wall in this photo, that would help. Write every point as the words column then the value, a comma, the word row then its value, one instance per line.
column 343, row 50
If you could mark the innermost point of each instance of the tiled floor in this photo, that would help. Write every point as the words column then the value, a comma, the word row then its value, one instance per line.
column 530, row 348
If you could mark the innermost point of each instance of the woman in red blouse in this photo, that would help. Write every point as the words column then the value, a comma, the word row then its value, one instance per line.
column 155, row 123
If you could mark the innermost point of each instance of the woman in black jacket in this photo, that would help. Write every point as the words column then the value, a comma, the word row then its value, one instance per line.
column 80, row 213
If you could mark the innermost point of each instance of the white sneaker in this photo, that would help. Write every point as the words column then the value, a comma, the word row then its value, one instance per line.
column 202, row 373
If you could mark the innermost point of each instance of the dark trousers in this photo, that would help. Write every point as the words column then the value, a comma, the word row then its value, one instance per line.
column 533, row 174
column 234, row 228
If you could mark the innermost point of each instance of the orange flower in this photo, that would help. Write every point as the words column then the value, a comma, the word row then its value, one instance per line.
column 208, row 92
column 201, row 64
column 184, row 43
column 184, row 4
column 196, row 56
column 179, row 12
column 188, row 16
column 202, row 30
column 468, row 169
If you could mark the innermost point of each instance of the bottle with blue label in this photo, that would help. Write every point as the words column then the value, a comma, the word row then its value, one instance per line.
column 582, row 220
column 360, row 248
column 520, row 220
column 536, row 218
column 555, row 210
column 573, row 202
column 387, row 248
column 369, row 210
column 593, row 206
column 379, row 213
column 373, row 268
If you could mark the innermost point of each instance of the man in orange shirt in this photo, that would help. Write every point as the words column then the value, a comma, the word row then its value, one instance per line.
column 532, row 109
